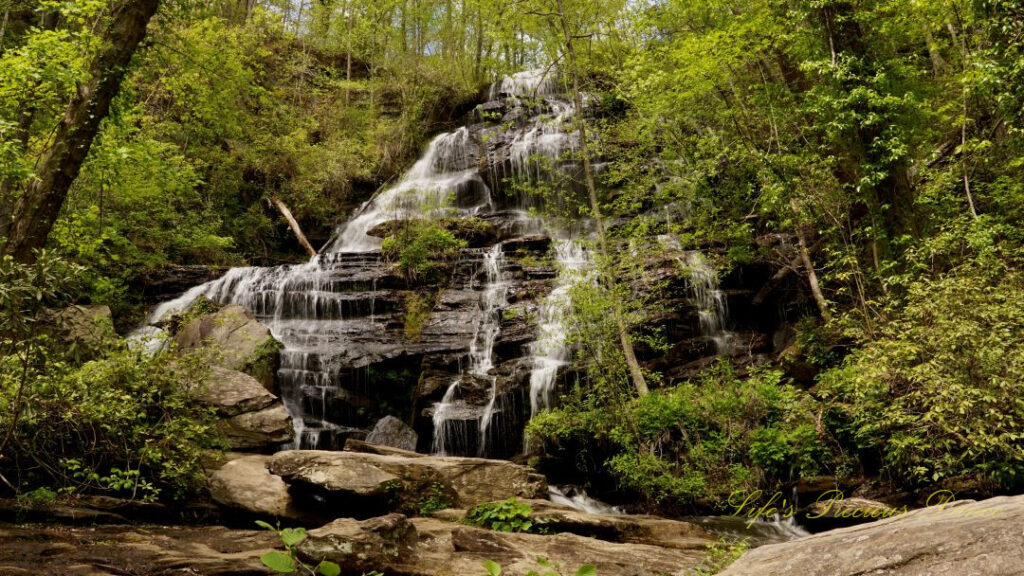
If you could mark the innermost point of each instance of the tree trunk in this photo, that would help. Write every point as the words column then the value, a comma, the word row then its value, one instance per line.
column 293, row 224
column 812, row 276
column 36, row 211
column 348, row 56
column 635, row 373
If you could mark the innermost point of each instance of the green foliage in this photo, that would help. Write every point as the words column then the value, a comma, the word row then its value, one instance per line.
column 698, row 440
column 506, row 516
column 417, row 311
column 433, row 500
column 546, row 568
column 122, row 423
column 720, row 555
column 288, row 562
column 935, row 394
column 423, row 249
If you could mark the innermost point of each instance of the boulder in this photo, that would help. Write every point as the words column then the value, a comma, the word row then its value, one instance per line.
column 244, row 343
column 88, row 328
column 964, row 537
column 260, row 430
column 252, row 417
column 397, row 545
column 384, row 482
column 233, row 393
column 245, row 484
column 341, row 476
column 390, row 431
column 354, row 445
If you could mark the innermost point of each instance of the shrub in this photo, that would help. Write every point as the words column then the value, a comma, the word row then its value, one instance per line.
column 422, row 249
column 506, row 516
column 126, row 425
column 937, row 393
column 700, row 439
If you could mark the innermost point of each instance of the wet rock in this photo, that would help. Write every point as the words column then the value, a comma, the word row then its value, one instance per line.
column 172, row 280
column 965, row 537
column 398, row 545
column 390, row 431
column 534, row 243
column 244, row 343
column 246, row 484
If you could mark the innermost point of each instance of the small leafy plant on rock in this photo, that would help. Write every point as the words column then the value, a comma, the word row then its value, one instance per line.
column 545, row 568
column 506, row 516
column 288, row 562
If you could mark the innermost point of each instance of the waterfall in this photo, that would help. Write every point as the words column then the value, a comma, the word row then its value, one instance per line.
column 708, row 297
column 336, row 314
column 448, row 168
column 549, row 352
column 447, row 412
column 710, row 301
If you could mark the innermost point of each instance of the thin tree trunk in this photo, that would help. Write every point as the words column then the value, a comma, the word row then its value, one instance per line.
column 812, row 276
column 636, row 374
column 348, row 57
column 36, row 211
column 3, row 29
column 293, row 224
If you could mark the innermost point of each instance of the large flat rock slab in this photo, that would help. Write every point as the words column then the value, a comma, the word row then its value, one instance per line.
column 964, row 538
column 635, row 529
column 400, row 546
column 141, row 549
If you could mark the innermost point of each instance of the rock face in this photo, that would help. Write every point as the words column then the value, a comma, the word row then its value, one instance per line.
column 398, row 545
column 964, row 538
column 828, row 514
column 244, row 343
column 390, row 431
column 253, row 419
column 636, row 529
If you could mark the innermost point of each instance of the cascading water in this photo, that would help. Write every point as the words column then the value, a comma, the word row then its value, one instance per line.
column 335, row 314
column 710, row 300
column 449, row 416
column 549, row 352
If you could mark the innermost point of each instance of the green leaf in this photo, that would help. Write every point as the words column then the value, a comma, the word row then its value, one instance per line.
column 492, row 568
column 266, row 525
column 278, row 562
column 292, row 536
column 327, row 568
column 587, row 570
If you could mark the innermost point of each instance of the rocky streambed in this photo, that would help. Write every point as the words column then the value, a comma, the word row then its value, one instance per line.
column 366, row 509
